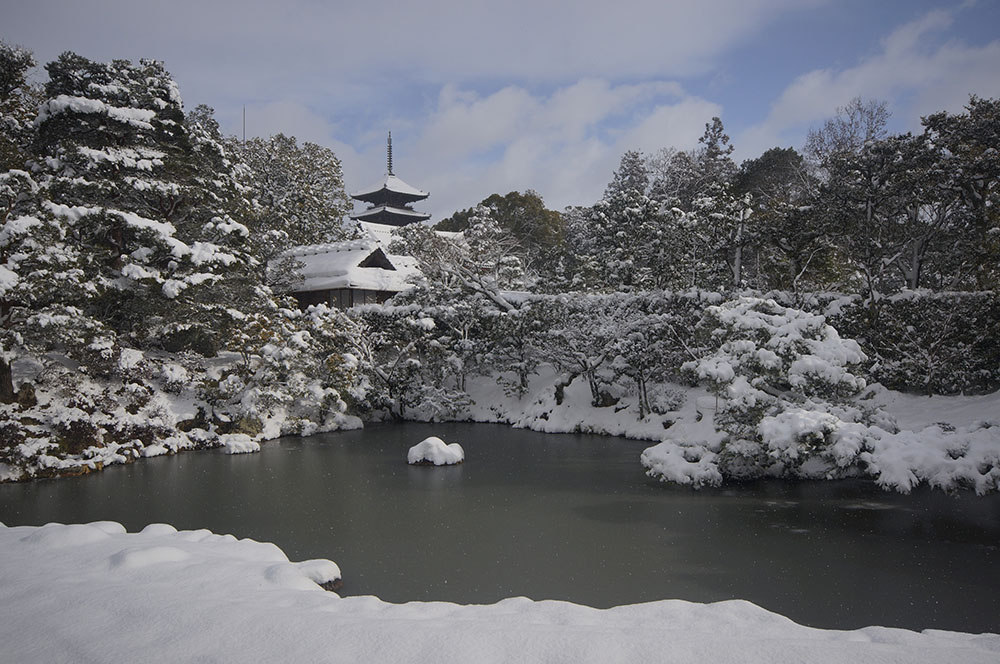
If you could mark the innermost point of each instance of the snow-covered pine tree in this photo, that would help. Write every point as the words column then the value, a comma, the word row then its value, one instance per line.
column 722, row 217
column 18, row 101
column 626, row 233
column 136, row 191
column 43, row 280
column 786, row 383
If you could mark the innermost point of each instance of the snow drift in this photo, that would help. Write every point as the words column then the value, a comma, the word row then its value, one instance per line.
column 197, row 596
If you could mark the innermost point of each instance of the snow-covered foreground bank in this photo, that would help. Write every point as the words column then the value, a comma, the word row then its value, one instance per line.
column 73, row 593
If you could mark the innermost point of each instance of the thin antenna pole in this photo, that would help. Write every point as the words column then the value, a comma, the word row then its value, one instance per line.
column 388, row 153
column 244, row 124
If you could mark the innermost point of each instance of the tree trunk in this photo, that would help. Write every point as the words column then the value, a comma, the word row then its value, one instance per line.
column 737, row 266
column 7, row 394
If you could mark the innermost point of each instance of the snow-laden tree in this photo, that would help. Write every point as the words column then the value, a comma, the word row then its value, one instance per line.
column 652, row 344
column 580, row 340
column 513, row 346
column 296, row 193
column 120, row 168
column 787, row 385
column 296, row 374
column 630, row 241
column 411, row 364
column 18, row 101
column 484, row 260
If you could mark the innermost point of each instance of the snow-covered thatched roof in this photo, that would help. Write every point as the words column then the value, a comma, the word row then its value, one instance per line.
column 357, row 264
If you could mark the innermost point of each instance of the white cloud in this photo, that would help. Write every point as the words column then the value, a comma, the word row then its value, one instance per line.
column 487, row 97
column 564, row 144
column 916, row 72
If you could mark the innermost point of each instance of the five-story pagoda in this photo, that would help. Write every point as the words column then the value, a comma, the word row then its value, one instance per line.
column 389, row 200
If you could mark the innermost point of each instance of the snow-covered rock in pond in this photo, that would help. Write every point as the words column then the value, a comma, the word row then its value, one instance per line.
column 435, row 451
column 238, row 443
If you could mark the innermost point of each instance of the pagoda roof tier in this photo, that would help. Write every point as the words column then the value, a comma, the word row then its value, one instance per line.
column 393, row 216
column 390, row 189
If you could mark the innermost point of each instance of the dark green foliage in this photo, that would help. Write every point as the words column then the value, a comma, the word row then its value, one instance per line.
column 539, row 231
column 75, row 436
column 946, row 343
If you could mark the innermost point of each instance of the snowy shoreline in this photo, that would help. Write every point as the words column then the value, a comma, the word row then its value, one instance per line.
column 942, row 441
column 197, row 596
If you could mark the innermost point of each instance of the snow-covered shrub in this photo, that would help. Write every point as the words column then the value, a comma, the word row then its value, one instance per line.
column 413, row 359
column 293, row 369
column 785, row 382
column 81, row 423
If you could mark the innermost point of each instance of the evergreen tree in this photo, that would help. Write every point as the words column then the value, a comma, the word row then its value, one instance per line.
column 966, row 145
column 135, row 189
column 625, row 236
column 18, row 102
column 540, row 232
column 794, row 246
column 723, row 216
column 296, row 193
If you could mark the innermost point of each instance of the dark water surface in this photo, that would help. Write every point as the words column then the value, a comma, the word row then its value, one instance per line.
column 562, row 517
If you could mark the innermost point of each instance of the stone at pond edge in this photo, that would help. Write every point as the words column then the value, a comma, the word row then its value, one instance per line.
column 333, row 585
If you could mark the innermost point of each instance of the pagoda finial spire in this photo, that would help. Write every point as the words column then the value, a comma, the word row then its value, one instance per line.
column 389, row 153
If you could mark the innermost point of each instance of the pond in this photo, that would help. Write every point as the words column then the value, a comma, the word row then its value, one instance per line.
column 568, row 517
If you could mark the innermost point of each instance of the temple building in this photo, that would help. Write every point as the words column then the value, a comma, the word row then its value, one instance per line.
column 345, row 274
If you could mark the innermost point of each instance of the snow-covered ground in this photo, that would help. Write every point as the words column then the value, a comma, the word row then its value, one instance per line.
column 94, row 593
column 540, row 410
column 950, row 442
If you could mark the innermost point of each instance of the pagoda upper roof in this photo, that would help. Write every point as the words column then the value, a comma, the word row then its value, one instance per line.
column 389, row 184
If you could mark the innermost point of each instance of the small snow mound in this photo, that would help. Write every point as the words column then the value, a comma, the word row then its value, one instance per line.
column 435, row 451
column 158, row 529
column 288, row 575
column 199, row 535
column 692, row 465
column 58, row 536
column 145, row 557
column 320, row 570
column 238, row 443
column 109, row 527
column 155, row 450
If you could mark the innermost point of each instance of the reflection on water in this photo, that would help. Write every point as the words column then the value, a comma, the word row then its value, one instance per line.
column 562, row 517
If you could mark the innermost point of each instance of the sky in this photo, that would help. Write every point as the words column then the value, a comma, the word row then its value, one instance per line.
column 486, row 97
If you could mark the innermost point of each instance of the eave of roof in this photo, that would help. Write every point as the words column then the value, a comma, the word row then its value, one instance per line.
column 378, row 211
column 393, row 184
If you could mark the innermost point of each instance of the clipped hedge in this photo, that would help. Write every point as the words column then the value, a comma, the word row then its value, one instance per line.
column 935, row 343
